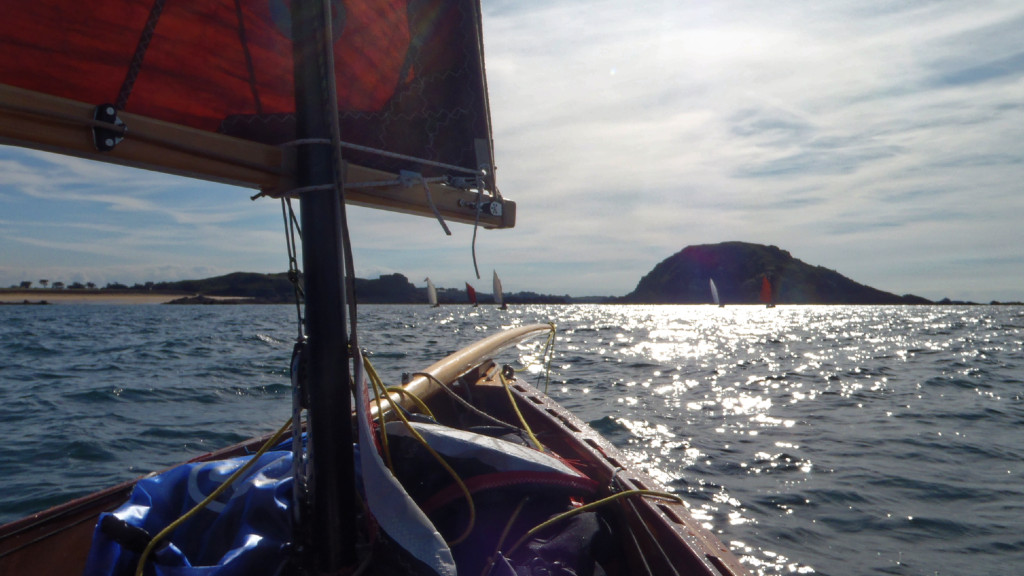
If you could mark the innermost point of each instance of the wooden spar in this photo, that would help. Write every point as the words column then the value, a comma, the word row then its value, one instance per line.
column 35, row 120
column 330, row 519
column 43, row 122
column 458, row 364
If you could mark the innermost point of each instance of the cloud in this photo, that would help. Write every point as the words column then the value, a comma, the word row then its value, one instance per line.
column 881, row 139
column 90, row 221
column 804, row 126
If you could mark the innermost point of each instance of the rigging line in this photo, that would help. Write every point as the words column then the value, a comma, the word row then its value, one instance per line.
column 437, row 213
column 248, row 57
column 515, row 407
column 290, row 225
column 586, row 508
column 306, row 141
column 397, row 156
column 504, row 534
column 299, row 191
column 384, row 153
column 340, row 174
column 547, row 357
column 213, row 496
column 549, row 353
column 378, row 385
column 471, row 522
column 415, row 399
column 639, row 551
column 300, row 471
column 651, row 537
column 618, row 483
column 476, row 225
column 463, row 402
column 140, row 53
column 392, row 183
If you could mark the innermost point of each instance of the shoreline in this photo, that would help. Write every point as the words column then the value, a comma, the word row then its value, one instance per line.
column 36, row 297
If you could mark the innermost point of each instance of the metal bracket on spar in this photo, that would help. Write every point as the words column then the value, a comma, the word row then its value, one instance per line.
column 106, row 138
column 492, row 207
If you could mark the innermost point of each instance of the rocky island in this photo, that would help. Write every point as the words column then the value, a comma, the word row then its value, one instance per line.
column 738, row 270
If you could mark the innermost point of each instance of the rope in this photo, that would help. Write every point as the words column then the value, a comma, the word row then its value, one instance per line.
column 248, row 57
column 406, row 178
column 549, row 354
column 515, row 407
column 415, row 399
column 379, row 152
column 377, row 384
column 340, row 173
column 397, row 156
column 504, row 534
column 476, row 225
column 306, row 141
column 140, row 53
column 213, row 496
column 462, row 401
column 392, row 183
column 291, row 226
column 437, row 213
column 586, row 508
column 440, row 460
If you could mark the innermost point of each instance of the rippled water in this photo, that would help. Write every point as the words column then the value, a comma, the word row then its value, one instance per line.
column 833, row 440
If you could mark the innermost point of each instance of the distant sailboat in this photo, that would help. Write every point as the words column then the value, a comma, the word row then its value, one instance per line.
column 714, row 293
column 499, row 296
column 471, row 294
column 432, row 294
column 766, row 292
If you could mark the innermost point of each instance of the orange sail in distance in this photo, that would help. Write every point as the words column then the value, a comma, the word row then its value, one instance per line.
column 766, row 292
column 471, row 294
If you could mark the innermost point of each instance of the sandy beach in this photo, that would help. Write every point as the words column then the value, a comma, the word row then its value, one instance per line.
column 82, row 297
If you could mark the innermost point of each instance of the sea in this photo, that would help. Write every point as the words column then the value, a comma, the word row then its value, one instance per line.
column 840, row 440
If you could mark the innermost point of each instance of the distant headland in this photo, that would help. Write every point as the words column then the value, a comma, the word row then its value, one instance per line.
column 742, row 270
column 739, row 271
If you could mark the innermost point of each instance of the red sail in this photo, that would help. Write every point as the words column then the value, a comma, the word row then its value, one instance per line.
column 471, row 293
column 410, row 76
column 766, row 290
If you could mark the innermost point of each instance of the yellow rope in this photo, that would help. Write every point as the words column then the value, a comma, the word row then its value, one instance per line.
column 440, row 459
column 415, row 399
column 213, row 496
column 586, row 508
column 377, row 384
column 515, row 407
column 504, row 534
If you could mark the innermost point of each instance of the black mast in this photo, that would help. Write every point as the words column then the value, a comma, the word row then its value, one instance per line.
column 331, row 515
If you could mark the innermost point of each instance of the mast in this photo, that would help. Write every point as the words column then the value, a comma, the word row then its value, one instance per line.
column 330, row 519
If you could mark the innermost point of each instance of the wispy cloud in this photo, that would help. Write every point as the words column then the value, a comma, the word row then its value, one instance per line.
column 808, row 126
column 882, row 139
column 94, row 222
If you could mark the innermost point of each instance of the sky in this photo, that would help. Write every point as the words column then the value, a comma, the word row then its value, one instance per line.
column 881, row 139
